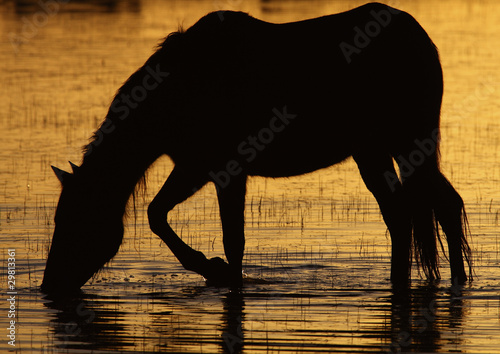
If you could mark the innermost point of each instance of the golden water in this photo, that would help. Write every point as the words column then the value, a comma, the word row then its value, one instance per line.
column 317, row 242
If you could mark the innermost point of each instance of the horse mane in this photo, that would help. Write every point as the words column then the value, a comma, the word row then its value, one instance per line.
column 166, row 51
column 169, row 45
column 170, row 40
column 114, row 121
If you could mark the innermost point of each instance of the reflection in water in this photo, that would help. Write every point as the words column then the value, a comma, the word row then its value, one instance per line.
column 233, row 319
column 96, row 323
column 88, row 323
column 421, row 321
column 426, row 319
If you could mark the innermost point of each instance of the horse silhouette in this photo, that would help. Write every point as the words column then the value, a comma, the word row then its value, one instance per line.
column 234, row 96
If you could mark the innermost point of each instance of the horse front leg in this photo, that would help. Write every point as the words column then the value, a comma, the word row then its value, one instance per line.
column 232, row 212
column 179, row 186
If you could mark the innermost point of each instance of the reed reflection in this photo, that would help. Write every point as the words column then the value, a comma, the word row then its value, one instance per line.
column 194, row 317
column 427, row 318
column 423, row 320
column 173, row 322
column 88, row 324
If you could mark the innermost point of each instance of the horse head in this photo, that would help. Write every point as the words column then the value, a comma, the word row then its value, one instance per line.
column 86, row 233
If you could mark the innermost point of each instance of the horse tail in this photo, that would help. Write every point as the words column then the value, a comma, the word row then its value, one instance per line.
column 425, row 231
column 432, row 202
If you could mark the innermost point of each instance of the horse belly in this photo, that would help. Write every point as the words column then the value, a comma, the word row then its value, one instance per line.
column 292, row 155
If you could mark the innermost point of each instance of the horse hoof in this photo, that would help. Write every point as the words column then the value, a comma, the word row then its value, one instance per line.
column 216, row 270
column 219, row 273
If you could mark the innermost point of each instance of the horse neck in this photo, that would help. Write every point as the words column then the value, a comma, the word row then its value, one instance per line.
column 112, row 169
column 130, row 139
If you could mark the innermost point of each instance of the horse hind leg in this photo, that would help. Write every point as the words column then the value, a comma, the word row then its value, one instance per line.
column 379, row 176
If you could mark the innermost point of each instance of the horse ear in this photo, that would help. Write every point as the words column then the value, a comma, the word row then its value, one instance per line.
column 73, row 166
column 60, row 174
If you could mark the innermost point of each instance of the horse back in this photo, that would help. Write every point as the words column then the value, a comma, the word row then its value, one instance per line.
column 348, row 78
